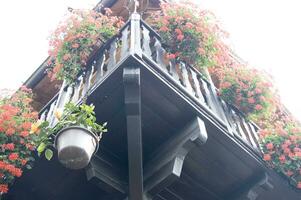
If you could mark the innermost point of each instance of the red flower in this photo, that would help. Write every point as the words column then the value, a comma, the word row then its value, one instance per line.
column 164, row 29
column 75, row 45
column 267, row 157
column 282, row 158
column 13, row 156
column 180, row 37
column 258, row 107
column 251, row 100
column 10, row 131
column 298, row 154
column 287, row 150
column 24, row 133
column 26, row 125
column 171, row 56
column 9, row 146
column 178, row 31
column 66, row 57
column 23, row 162
column 269, row 146
column 3, row 188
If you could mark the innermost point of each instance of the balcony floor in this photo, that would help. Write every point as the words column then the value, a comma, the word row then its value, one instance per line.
column 222, row 168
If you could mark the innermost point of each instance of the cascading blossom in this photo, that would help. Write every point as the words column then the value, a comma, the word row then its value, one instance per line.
column 189, row 33
column 248, row 89
column 17, row 140
column 75, row 39
column 281, row 145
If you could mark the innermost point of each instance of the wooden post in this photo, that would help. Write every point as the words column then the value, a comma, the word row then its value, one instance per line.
column 132, row 93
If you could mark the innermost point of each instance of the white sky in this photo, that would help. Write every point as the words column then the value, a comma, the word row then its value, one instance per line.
column 266, row 33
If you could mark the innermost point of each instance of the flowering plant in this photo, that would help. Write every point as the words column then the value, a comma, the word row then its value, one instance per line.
column 282, row 150
column 18, row 136
column 82, row 115
column 72, row 43
column 248, row 89
column 190, row 34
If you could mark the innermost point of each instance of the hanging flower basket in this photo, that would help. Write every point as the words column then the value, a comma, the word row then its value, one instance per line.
column 77, row 136
column 75, row 146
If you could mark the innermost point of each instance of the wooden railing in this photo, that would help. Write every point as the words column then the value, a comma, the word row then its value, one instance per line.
column 199, row 88
column 138, row 39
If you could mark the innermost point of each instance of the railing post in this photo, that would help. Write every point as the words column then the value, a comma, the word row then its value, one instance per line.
column 135, row 45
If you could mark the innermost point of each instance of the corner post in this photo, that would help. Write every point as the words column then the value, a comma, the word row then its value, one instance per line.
column 135, row 45
column 132, row 94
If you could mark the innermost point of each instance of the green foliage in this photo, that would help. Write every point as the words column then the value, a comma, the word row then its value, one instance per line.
column 73, row 115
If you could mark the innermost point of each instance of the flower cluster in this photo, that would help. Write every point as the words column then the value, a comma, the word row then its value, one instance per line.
column 247, row 89
column 190, row 34
column 281, row 145
column 72, row 43
column 17, row 138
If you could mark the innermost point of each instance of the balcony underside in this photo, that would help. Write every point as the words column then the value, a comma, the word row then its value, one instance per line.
column 222, row 168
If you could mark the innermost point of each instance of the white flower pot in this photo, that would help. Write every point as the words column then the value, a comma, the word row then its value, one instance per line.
column 75, row 146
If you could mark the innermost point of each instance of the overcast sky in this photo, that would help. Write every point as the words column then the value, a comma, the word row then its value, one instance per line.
column 266, row 33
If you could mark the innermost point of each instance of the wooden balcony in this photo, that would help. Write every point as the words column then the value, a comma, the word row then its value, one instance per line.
column 170, row 135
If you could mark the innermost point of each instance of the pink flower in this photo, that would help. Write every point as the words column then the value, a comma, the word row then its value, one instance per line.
column 13, row 156
column 178, row 31
column 267, row 157
column 163, row 29
column 251, row 100
column 180, row 37
column 269, row 146
column 282, row 158
column 258, row 91
column 258, row 107
column 66, row 57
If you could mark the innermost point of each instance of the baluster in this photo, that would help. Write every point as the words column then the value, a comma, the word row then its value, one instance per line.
column 254, row 134
column 112, row 55
column 208, row 95
column 100, row 71
column 230, row 124
column 249, row 134
column 196, row 84
column 240, row 129
column 160, row 54
column 76, row 90
column 236, row 123
column 173, row 71
column 146, row 41
column 43, row 115
column 50, row 113
column 86, row 84
column 185, row 80
column 125, row 42
column 90, row 77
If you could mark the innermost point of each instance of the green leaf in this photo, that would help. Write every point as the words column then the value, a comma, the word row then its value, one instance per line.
column 48, row 154
column 41, row 148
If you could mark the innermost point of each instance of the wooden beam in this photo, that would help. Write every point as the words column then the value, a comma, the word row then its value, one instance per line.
column 132, row 94
column 254, row 189
column 166, row 163
column 107, row 174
